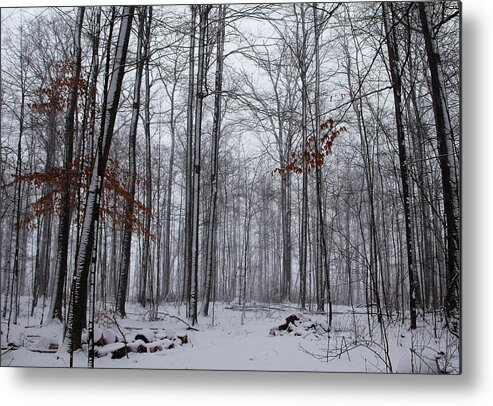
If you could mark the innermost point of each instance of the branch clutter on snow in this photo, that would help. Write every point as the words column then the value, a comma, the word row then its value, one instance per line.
column 299, row 324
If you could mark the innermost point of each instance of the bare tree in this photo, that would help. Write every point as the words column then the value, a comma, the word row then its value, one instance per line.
column 396, row 77
column 64, row 218
column 130, row 203
column 83, row 261
column 216, row 133
column 446, row 151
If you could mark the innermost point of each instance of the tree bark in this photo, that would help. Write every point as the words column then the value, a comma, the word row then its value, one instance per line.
column 445, row 138
column 216, row 134
column 201, row 71
column 64, row 218
column 78, row 306
column 130, row 203
column 304, row 194
column 187, row 280
column 323, row 268
column 396, row 77
column 146, row 274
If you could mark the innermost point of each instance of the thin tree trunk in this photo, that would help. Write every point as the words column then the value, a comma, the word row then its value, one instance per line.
column 216, row 133
column 130, row 202
column 201, row 70
column 146, row 273
column 169, row 200
column 324, row 268
column 187, row 281
column 304, row 193
column 14, row 292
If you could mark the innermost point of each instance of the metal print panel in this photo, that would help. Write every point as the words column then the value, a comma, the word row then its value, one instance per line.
column 265, row 187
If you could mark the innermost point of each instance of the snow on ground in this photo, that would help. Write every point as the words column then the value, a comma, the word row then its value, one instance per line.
column 239, row 340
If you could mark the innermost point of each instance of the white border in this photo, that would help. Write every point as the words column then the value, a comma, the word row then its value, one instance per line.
column 474, row 387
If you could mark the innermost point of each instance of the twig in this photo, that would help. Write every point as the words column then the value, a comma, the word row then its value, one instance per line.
column 123, row 335
column 189, row 327
column 11, row 348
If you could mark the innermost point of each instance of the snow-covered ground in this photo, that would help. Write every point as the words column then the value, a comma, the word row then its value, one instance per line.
column 241, row 339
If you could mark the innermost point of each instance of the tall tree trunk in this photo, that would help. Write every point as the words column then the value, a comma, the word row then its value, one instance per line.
column 372, row 264
column 12, row 294
column 14, row 286
column 286, row 234
column 426, row 214
column 323, row 263
column 43, row 262
column 304, row 194
column 187, row 281
column 89, row 121
column 78, row 306
column 146, row 273
column 395, row 73
column 43, row 265
column 130, row 203
column 64, row 217
column 445, row 138
column 169, row 196
column 216, row 133
column 201, row 71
